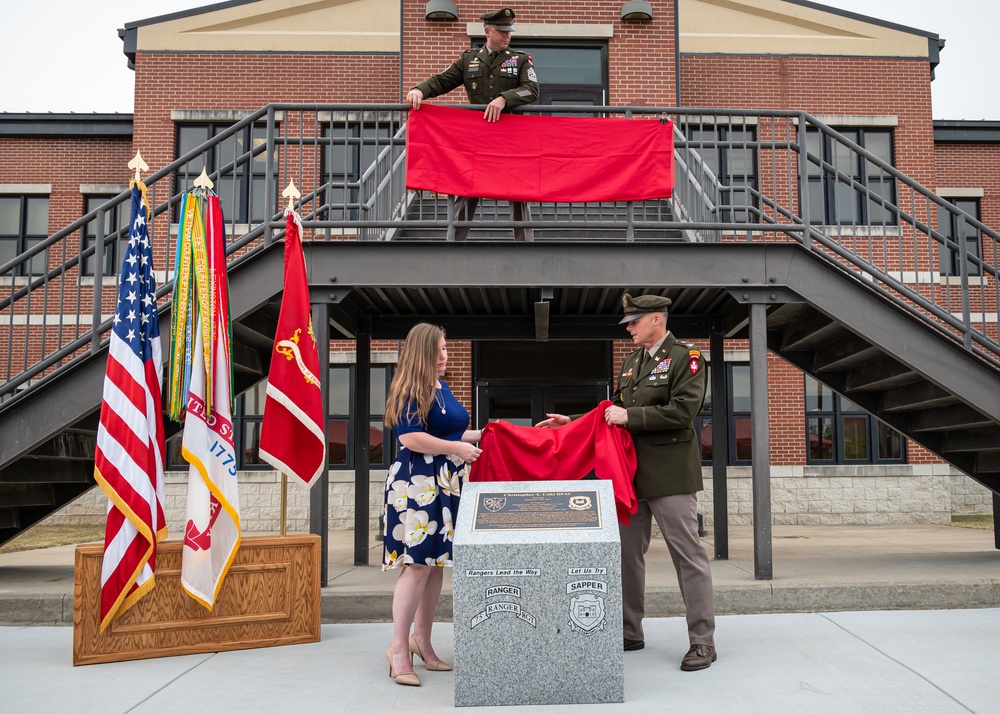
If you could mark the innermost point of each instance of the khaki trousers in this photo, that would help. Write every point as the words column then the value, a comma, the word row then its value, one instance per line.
column 465, row 210
column 677, row 517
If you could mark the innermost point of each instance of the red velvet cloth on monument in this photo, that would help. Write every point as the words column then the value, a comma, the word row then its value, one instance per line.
column 525, row 453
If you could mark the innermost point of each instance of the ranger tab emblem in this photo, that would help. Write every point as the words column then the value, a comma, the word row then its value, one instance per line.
column 694, row 356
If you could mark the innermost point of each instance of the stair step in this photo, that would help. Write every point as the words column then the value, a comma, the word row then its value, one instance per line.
column 972, row 440
column 879, row 375
column 811, row 334
column 915, row 397
column 21, row 495
column 844, row 355
column 33, row 469
column 951, row 418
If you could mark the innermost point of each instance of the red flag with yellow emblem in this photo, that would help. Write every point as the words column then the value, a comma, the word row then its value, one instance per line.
column 292, row 439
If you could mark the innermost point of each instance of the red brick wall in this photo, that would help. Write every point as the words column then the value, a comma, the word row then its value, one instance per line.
column 429, row 47
column 65, row 163
column 166, row 81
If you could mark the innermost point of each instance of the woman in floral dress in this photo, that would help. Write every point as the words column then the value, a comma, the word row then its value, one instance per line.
column 422, row 493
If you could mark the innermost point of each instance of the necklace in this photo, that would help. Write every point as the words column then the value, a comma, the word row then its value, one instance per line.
column 439, row 398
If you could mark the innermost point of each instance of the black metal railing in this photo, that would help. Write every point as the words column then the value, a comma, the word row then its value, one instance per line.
column 740, row 177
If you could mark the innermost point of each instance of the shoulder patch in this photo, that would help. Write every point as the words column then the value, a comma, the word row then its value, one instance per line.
column 694, row 360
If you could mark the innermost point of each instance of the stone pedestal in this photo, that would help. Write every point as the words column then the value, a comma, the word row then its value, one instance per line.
column 537, row 595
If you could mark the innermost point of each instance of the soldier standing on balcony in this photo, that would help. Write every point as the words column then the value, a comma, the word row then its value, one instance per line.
column 494, row 75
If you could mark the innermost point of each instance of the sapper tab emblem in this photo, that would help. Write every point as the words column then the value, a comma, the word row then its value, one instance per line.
column 586, row 614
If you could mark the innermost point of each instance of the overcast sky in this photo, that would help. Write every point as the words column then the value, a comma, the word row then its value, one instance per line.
column 65, row 55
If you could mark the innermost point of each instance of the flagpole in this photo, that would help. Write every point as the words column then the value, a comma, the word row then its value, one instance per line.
column 291, row 193
column 284, row 505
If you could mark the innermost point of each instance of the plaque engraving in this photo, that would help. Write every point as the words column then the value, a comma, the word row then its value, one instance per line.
column 542, row 510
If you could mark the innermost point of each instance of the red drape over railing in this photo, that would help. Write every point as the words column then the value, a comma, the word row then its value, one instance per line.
column 538, row 158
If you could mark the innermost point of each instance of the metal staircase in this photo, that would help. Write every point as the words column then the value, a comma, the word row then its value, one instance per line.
column 869, row 310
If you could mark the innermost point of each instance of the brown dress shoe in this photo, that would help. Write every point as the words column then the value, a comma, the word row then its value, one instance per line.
column 633, row 645
column 699, row 657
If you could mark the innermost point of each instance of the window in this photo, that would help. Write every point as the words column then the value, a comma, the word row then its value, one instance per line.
column 737, row 411
column 833, row 202
column 726, row 153
column 841, row 432
column 240, row 189
column 353, row 148
column 341, row 425
column 24, row 223
column 115, row 219
column 574, row 73
column 956, row 230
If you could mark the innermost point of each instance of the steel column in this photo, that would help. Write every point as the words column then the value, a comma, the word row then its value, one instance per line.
column 996, row 513
column 720, row 445
column 361, row 411
column 761, row 449
column 319, row 495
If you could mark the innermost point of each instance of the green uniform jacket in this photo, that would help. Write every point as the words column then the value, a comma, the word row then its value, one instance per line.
column 510, row 74
column 662, row 401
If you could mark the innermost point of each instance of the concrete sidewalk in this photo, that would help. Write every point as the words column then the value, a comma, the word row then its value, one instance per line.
column 816, row 569
column 911, row 662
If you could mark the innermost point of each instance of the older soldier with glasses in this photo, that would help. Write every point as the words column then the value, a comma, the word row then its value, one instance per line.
column 661, row 387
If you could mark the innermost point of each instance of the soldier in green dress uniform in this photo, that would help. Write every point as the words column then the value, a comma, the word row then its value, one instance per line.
column 661, row 387
column 494, row 75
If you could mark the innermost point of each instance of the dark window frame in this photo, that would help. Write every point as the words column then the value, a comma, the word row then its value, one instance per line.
column 733, row 417
column 552, row 92
column 359, row 136
column 24, row 239
column 949, row 257
column 722, row 143
column 118, row 216
column 865, row 173
column 243, row 206
column 841, row 411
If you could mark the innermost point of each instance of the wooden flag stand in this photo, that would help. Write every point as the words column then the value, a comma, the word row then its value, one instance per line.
column 271, row 596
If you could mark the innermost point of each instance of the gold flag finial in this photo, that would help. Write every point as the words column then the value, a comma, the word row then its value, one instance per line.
column 291, row 193
column 203, row 181
column 138, row 164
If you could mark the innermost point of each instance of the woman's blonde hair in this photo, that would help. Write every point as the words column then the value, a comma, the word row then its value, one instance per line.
column 416, row 374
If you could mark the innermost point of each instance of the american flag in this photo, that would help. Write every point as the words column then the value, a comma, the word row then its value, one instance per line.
column 128, row 463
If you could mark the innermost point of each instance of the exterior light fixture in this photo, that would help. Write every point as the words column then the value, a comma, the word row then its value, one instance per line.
column 637, row 11
column 441, row 10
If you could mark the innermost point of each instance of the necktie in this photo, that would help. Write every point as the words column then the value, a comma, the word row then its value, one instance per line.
column 647, row 360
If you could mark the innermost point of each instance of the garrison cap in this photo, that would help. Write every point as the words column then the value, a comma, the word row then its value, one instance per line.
column 634, row 308
column 502, row 19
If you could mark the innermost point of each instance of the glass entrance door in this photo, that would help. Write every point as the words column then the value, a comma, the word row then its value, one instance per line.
column 526, row 404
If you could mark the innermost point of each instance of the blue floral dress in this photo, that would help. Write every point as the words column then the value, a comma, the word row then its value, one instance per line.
column 422, row 491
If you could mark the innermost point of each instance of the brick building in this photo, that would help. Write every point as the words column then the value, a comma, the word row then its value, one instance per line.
column 198, row 72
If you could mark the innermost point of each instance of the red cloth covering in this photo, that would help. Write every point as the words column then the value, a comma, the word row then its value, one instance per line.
column 538, row 158
column 524, row 453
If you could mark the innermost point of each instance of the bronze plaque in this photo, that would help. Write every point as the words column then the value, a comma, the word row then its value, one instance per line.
column 538, row 510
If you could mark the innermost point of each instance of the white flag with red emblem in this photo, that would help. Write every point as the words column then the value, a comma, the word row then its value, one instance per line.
column 292, row 439
column 212, row 529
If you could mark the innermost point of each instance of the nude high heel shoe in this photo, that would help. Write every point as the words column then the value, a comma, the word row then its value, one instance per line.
column 434, row 665
column 407, row 678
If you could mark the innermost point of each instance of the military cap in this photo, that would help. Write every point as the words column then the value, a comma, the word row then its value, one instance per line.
column 501, row 19
column 634, row 308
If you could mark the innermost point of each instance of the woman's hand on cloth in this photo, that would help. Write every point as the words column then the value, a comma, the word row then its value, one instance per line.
column 467, row 452
column 554, row 421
